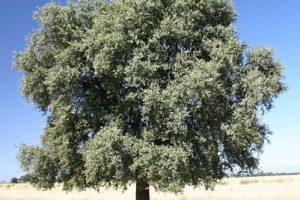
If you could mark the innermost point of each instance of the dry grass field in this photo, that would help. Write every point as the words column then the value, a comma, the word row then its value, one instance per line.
column 252, row 188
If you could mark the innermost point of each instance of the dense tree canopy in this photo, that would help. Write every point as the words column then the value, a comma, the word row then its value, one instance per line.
column 158, row 92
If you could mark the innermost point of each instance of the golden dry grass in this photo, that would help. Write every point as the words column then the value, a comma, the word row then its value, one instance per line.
column 253, row 188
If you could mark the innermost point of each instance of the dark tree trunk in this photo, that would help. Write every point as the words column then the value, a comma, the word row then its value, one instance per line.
column 142, row 191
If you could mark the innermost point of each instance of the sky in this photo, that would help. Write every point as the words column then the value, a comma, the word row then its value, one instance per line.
column 268, row 23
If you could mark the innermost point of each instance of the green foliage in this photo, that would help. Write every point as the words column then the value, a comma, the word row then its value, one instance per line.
column 40, row 165
column 25, row 178
column 152, row 90
column 14, row 180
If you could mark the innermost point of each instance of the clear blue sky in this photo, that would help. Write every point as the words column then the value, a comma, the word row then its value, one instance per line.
column 269, row 23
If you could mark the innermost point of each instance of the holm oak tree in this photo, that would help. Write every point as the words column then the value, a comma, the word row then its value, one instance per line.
column 159, row 93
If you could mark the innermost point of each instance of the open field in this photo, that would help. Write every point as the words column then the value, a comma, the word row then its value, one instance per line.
column 250, row 188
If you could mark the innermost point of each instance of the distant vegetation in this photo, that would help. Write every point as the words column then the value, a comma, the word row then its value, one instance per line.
column 22, row 179
column 14, row 180
column 264, row 174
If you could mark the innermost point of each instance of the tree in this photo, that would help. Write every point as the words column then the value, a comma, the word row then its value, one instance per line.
column 25, row 178
column 152, row 92
column 14, row 180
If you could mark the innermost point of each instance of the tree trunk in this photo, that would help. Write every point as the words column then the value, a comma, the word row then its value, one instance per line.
column 142, row 191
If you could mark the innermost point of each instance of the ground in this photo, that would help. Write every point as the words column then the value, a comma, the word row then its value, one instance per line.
column 252, row 188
